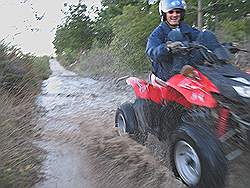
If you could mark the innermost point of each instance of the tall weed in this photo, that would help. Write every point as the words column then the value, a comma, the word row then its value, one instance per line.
column 20, row 159
column 20, row 80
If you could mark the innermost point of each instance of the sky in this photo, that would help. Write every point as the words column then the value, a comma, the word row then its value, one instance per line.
column 31, row 24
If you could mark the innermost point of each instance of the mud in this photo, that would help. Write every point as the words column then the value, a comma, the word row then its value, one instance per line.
column 84, row 149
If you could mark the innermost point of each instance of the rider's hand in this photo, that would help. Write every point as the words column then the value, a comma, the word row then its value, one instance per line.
column 174, row 47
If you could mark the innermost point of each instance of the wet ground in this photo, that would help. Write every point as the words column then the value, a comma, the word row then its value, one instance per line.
column 83, row 149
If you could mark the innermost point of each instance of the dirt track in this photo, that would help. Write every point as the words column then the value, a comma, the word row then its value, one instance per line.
column 84, row 149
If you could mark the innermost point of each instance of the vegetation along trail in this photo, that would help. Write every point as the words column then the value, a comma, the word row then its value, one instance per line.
column 83, row 148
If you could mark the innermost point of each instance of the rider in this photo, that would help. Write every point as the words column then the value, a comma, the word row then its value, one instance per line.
column 165, row 57
column 161, row 51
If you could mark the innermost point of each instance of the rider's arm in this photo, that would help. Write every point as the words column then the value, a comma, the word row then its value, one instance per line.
column 156, row 47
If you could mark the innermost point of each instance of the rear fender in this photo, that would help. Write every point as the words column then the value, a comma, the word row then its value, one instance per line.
column 168, row 93
column 144, row 90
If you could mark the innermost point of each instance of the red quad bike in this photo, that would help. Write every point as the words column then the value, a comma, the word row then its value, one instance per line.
column 203, row 112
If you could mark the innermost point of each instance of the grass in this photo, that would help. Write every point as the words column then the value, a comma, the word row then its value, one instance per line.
column 20, row 159
column 21, row 76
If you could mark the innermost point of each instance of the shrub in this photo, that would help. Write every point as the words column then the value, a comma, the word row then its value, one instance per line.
column 131, row 31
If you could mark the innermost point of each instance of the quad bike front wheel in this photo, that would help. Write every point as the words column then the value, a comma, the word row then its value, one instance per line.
column 196, row 157
column 187, row 162
column 125, row 119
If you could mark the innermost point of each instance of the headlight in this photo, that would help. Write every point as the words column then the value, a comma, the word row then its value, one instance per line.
column 243, row 91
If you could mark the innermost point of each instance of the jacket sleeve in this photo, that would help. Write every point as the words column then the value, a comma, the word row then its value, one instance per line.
column 156, row 47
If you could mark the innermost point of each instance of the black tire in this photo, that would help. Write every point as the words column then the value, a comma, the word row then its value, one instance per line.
column 125, row 119
column 197, row 157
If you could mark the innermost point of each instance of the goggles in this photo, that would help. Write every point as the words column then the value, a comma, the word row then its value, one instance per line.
column 176, row 11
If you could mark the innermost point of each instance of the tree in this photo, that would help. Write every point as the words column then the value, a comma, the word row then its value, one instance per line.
column 76, row 33
column 214, row 11
column 111, row 8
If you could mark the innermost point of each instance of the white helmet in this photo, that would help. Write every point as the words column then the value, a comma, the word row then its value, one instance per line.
column 167, row 5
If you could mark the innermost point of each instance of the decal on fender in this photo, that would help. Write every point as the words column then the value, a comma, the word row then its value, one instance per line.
column 199, row 97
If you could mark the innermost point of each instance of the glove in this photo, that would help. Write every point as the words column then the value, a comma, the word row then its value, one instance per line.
column 174, row 47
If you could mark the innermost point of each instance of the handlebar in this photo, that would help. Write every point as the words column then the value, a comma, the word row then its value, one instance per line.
column 206, row 53
column 218, row 56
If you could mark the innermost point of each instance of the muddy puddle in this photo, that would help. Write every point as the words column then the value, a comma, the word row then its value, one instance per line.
column 83, row 149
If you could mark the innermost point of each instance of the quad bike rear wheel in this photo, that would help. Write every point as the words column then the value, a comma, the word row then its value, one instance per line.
column 125, row 119
column 127, row 123
column 196, row 157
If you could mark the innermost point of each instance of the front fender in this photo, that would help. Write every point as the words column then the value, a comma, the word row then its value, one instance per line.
column 193, row 91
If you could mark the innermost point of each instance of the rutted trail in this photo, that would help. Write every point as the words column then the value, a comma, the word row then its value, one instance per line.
column 83, row 149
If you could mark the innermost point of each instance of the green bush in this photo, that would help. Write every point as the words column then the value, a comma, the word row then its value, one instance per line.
column 68, row 57
column 40, row 66
column 131, row 31
column 237, row 30
column 20, row 70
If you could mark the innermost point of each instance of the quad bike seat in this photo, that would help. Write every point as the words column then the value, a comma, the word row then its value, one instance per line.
column 186, row 71
column 155, row 80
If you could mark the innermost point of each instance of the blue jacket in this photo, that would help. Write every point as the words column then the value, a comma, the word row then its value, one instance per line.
column 161, row 58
